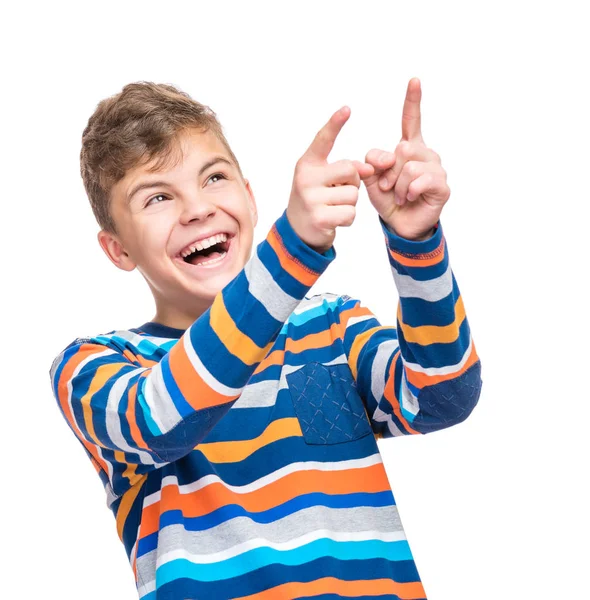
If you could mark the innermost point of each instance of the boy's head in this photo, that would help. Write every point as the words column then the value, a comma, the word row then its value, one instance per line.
column 156, row 134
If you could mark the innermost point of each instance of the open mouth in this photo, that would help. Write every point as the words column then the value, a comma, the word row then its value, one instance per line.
column 209, row 256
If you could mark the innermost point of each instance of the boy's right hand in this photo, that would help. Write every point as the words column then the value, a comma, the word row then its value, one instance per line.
column 323, row 195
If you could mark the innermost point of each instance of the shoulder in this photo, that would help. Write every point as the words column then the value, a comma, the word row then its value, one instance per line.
column 101, row 344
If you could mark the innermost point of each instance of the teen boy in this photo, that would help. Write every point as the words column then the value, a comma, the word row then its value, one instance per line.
column 235, row 433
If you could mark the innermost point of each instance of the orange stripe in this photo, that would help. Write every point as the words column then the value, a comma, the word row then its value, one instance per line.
column 236, row 342
column 346, row 589
column 276, row 357
column 356, row 311
column 205, row 500
column 126, row 503
column 421, row 380
column 67, row 373
column 359, row 343
column 191, row 385
column 434, row 334
column 290, row 264
column 421, row 260
column 101, row 376
column 390, row 395
column 235, row 451
column 314, row 341
column 130, row 414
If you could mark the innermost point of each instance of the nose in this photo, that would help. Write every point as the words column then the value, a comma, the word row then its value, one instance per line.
column 196, row 208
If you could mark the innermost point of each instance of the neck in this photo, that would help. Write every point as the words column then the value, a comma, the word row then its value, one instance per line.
column 177, row 318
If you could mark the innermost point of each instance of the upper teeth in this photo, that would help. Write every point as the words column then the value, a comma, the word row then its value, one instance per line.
column 202, row 244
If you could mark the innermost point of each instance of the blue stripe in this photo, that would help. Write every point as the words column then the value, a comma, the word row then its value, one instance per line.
column 182, row 406
column 318, row 311
column 147, row 413
column 261, row 579
column 262, row 557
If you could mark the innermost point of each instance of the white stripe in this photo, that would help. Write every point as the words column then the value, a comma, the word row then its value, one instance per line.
column 442, row 370
column 318, row 534
column 409, row 401
column 200, row 368
column 171, row 480
column 359, row 319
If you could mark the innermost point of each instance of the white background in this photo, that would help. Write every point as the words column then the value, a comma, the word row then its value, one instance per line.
column 496, row 507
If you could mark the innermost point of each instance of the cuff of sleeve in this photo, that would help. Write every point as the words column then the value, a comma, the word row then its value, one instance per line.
column 400, row 244
column 299, row 250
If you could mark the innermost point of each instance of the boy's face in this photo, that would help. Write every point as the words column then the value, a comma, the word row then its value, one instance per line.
column 197, row 199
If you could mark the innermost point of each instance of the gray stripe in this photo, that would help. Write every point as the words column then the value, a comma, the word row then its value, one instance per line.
column 266, row 290
column 384, row 352
column 382, row 417
column 263, row 393
column 432, row 290
column 236, row 531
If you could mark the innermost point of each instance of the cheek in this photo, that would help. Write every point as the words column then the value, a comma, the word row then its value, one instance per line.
column 153, row 241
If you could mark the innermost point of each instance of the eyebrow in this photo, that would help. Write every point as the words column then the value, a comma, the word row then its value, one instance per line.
column 152, row 184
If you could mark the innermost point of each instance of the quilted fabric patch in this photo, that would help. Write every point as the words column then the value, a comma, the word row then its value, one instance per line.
column 327, row 405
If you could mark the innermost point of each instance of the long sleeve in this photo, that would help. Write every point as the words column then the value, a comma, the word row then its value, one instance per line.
column 131, row 418
column 425, row 374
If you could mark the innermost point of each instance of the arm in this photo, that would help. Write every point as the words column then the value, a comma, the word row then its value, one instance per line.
column 134, row 418
column 426, row 374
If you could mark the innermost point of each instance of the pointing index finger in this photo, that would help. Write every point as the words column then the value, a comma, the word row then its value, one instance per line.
column 411, row 117
column 324, row 140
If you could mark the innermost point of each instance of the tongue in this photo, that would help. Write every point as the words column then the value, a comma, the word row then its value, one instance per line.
column 197, row 259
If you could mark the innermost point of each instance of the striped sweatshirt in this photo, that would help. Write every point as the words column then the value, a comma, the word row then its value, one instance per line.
column 240, row 456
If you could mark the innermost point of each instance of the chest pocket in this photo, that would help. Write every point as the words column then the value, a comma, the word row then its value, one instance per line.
column 327, row 404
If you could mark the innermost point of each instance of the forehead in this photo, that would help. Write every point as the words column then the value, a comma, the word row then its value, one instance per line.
column 190, row 150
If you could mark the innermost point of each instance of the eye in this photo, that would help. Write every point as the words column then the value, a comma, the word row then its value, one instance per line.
column 217, row 175
column 154, row 197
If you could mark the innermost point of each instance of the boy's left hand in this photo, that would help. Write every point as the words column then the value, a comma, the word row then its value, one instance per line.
column 409, row 187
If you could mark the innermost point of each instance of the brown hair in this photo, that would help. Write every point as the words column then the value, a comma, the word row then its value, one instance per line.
column 129, row 129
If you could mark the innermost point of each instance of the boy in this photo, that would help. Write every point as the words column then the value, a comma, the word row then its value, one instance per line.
column 235, row 433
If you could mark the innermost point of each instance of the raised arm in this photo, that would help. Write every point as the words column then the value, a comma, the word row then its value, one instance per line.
column 424, row 375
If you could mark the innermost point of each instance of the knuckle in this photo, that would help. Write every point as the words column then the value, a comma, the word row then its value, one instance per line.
column 404, row 149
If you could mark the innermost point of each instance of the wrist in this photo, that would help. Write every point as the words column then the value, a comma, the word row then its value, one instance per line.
column 420, row 237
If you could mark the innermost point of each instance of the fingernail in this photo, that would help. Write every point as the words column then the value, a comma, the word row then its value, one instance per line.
column 385, row 157
column 383, row 182
column 398, row 199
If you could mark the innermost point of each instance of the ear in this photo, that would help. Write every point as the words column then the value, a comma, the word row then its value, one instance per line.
column 114, row 250
column 251, row 202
